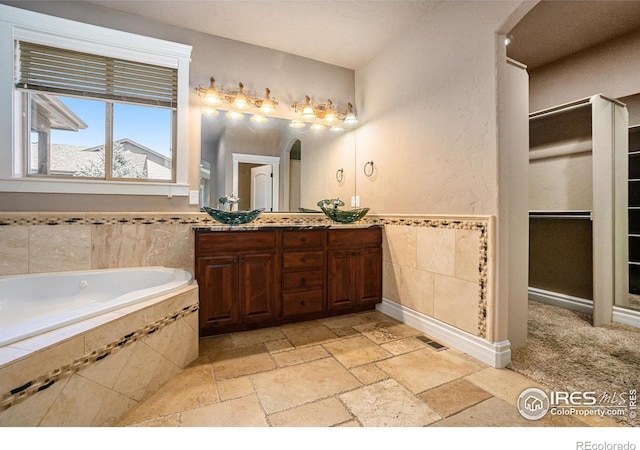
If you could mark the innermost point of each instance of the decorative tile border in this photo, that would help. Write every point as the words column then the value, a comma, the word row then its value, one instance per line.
column 195, row 220
column 47, row 380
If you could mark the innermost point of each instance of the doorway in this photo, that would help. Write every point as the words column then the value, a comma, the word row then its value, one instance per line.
column 255, row 179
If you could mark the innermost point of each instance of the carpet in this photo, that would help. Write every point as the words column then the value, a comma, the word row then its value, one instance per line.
column 564, row 352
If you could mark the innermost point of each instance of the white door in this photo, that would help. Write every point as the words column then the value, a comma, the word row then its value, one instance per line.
column 262, row 187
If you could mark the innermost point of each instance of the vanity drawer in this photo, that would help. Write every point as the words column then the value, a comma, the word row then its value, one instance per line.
column 302, row 303
column 302, row 260
column 357, row 237
column 302, row 239
column 311, row 279
column 226, row 241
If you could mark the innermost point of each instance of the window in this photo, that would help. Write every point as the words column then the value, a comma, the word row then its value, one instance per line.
column 96, row 117
column 105, row 105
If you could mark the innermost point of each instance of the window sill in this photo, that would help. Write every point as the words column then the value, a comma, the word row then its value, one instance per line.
column 93, row 187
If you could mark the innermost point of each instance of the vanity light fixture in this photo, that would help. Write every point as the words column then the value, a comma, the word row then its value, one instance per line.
column 259, row 118
column 297, row 124
column 325, row 114
column 209, row 110
column 235, row 115
column 210, row 96
column 350, row 117
column 235, row 99
column 317, row 127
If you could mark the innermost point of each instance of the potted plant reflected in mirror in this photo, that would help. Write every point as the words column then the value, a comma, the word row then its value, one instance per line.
column 229, row 217
column 330, row 207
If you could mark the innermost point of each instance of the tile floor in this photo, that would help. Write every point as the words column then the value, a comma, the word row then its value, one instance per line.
column 357, row 370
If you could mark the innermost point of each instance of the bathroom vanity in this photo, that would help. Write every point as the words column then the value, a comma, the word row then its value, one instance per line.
column 260, row 276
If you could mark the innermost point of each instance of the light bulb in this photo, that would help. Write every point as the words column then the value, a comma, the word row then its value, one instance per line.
column 240, row 100
column 317, row 127
column 330, row 114
column 297, row 124
column 209, row 110
column 234, row 115
column 350, row 118
column 212, row 97
column 267, row 105
column 307, row 110
column 258, row 118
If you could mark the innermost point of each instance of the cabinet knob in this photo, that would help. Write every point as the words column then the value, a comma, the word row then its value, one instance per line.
column 303, row 239
column 304, row 260
column 303, row 280
column 303, row 303
column 235, row 260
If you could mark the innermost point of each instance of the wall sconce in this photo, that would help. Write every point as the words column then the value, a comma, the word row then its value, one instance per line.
column 323, row 115
column 237, row 100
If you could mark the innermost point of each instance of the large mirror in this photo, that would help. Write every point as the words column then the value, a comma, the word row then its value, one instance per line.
column 273, row 166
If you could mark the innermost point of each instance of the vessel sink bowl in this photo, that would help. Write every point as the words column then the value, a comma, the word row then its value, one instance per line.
column 233, row 217
column 344, row 215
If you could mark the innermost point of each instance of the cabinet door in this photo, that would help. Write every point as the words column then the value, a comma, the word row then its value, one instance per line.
column 370, row 275
column 341, row 287
column 218, row 284
column 257, row 287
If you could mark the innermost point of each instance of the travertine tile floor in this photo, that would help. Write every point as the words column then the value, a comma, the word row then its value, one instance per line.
column 357, row 370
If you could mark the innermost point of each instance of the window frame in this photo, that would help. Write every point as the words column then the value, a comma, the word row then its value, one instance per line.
column 17, row 24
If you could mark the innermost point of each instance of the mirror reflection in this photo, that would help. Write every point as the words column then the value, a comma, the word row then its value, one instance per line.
column 273, row 166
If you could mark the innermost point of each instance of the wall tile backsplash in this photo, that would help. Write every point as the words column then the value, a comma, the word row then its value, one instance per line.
column 435, row 265
column 63, row 242
column 439, row 267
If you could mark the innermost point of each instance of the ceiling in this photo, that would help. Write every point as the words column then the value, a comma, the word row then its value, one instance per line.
column 344, row 33
column 555, row 29
column 348, row 33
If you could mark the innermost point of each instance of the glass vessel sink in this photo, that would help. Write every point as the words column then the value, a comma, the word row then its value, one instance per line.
column 330, row 209
column 233, row 217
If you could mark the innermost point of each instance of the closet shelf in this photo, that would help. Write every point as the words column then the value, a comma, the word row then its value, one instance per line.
column 560, row 215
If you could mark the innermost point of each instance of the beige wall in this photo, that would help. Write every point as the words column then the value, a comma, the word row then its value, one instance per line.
column 289, row 77
column 610, row 69
column 321, row 159
column 429, row 107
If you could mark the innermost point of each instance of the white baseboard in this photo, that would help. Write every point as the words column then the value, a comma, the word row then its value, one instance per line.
column 562, row 300
column 496, row 354
column 626, row 316
column 620, row 315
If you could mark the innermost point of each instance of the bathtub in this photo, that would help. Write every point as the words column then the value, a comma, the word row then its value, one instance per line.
column 122, row 335
column 37, row 303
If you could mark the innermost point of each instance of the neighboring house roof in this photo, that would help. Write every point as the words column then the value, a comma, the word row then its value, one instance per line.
column 68, row 159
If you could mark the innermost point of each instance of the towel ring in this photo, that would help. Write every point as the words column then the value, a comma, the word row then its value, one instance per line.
column 340, row 175
column 369, row 172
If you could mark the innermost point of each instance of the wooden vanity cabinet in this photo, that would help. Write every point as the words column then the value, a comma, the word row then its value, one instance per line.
column 302, row 272
column 354, row 268
column 236, row 273
column 258, row 278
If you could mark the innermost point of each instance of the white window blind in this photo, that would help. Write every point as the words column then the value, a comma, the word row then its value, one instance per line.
column 56, row 70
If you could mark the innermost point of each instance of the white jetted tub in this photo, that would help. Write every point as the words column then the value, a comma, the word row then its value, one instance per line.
column 82, row 348
column 36, row 303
